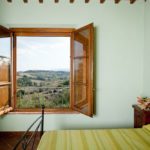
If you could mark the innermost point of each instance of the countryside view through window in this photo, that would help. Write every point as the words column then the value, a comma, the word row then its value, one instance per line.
column 43, row 72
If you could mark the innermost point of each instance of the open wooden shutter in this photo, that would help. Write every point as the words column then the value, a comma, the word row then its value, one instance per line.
column 5, row 66
column 82, row 70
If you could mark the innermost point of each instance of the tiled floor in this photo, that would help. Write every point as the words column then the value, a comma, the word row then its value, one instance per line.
column 7, row 142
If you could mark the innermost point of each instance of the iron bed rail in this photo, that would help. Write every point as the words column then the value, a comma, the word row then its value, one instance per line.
column 26, row 139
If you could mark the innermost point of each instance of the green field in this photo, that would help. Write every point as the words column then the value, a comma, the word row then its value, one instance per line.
column 37, row 87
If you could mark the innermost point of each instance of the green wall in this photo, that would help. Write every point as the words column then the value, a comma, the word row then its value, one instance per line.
column 146, row 68
column 119, row 44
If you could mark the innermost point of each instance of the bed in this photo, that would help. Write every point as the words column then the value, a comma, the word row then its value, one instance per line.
column 100, row 139
column 103, row 139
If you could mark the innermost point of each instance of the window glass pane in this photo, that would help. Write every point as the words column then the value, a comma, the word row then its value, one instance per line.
column 4, row 95
column 43, row 72
column 85, row 33
column 80, row 93
column 80, row 96
column 78, row 49
column 4, row 69
column 80, row 70
column 81, row 44
column 5, row 47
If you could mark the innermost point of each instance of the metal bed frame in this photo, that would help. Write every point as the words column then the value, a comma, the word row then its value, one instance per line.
column 26, row 138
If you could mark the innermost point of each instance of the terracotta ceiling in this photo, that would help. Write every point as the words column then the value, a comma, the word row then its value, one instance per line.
column 86, row 1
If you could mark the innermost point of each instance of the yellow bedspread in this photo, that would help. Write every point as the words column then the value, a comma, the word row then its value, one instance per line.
column 106, row 139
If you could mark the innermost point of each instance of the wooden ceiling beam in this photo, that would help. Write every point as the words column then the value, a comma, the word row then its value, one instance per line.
column 40, row 1
column 71, row 1
column 132, row 1
column 102, row 1
column 117, row 1
column 56, row 1
column 86, row 1
column 25, row 1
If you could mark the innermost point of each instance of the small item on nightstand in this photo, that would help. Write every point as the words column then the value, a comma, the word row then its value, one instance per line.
column 143, row 102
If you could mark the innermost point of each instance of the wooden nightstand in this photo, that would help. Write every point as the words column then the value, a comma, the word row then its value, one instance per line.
column 141, row 116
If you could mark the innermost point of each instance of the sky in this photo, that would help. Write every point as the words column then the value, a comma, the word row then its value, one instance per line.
column 5, row 47
column 43, row 53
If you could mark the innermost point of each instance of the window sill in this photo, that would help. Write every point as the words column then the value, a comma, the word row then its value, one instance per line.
column 46, row 111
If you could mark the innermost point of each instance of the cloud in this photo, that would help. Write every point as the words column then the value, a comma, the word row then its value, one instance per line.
column 49, row 53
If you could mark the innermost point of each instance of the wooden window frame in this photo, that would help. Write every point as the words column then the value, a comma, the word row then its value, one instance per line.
column 38, row 32
column 79, row 102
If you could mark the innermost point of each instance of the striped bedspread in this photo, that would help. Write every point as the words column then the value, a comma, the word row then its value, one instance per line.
column 104, row 139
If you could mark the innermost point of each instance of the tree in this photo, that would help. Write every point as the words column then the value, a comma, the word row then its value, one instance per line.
column 20, row 93
column 66, row 82
column 24, row 81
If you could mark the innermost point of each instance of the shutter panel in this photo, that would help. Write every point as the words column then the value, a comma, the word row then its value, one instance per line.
column 5, row 66
column 82, row 70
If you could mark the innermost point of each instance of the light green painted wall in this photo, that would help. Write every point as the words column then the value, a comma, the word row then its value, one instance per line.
column 119, row 57
column 146, row 69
